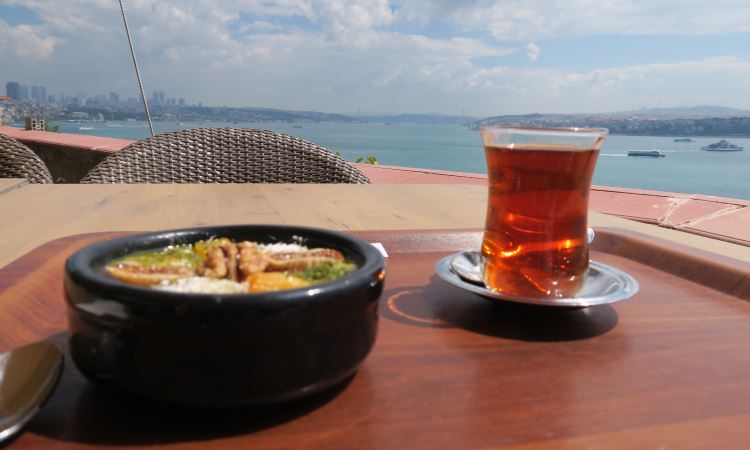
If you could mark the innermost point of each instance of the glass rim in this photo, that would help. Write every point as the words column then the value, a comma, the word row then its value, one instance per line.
column 578, row 131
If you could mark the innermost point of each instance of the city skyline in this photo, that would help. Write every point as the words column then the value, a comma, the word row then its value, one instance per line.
column 160, row 99
column 19, row 91
column 479, row 57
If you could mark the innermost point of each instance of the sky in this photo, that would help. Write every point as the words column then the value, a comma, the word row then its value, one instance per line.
column 472, row 57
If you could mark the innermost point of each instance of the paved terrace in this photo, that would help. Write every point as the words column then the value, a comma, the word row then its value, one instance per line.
column 70, row 155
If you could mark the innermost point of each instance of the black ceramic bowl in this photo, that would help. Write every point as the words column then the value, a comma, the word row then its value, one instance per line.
column 222, row 349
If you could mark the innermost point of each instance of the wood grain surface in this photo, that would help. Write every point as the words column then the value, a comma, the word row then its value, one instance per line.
column 8, row 184
column 35, row 214
column 668, row 368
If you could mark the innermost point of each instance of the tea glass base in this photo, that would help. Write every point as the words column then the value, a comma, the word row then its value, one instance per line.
column 604, row 284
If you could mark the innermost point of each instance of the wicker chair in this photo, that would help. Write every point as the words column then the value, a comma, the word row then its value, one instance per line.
column 19, row 161
column 224, row 155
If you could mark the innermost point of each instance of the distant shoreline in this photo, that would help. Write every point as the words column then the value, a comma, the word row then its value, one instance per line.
column 686, row 168
column 224, row 123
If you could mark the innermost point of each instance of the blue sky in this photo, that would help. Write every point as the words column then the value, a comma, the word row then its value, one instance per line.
column 19, row 15
column 484, row 57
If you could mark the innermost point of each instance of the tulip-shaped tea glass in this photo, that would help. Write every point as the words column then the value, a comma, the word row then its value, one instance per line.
column 535, row 238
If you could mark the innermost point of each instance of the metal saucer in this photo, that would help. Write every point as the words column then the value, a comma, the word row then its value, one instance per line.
column 604, row 284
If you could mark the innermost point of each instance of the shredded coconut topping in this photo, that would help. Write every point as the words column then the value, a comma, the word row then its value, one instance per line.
column 281, row 247
column 204, row 285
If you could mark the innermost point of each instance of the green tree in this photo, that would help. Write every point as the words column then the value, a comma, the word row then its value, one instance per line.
column 368, row 160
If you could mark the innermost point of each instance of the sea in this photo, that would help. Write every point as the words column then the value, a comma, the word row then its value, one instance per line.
column 685, row 168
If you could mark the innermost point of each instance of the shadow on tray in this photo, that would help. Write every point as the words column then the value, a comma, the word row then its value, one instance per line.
column 440, row 305
column 82, row 412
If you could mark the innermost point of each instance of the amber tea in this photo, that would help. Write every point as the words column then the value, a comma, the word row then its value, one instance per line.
column 535, row 239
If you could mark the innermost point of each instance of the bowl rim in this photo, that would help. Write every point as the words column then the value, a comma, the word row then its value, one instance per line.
column 79, row 270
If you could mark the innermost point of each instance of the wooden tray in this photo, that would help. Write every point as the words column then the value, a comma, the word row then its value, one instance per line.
column 667, row 368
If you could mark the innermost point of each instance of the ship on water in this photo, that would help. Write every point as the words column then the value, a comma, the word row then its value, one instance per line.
column 722, row 146
column 649, row 153
column 683, row 139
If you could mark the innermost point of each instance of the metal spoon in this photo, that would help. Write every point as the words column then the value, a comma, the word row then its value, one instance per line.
column 468, row 266
column 28, row 376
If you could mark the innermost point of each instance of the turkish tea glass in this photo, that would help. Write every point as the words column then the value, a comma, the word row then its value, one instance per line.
column 535, row 241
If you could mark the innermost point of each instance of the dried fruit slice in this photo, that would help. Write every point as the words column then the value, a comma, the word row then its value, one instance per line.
column 292, row 262
column 146, row 275
column 274, row 281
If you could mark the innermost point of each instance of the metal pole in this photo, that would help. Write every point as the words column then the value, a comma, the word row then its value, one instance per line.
column 137, row 70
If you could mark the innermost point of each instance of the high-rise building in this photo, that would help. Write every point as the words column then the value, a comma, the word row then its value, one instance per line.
column 114, row 97
column 13, row 90
column 39, row 93
column 24, row 92
column 182, row 102
column 158, row 98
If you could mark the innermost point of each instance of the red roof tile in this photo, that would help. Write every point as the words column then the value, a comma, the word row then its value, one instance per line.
column 95, row 143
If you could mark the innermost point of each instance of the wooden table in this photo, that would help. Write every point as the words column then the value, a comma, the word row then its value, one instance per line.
column 35, row 214
column 8, row 184
column 451, row 364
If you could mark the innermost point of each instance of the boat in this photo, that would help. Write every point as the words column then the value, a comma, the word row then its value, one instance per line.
column 85, row 128
column 296, row 126
column 650, row 153
column 722, row 146
column 683, row 140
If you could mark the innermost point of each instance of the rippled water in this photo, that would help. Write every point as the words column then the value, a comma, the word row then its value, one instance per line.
column 685, row 168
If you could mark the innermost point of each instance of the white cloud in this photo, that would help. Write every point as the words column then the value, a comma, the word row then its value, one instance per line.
column 544, row 19
column 25, row 42
column 335, row 55
column 349, row 19
column 259, row 26
column 552, row 90
column 532, row 51
column 348, row 46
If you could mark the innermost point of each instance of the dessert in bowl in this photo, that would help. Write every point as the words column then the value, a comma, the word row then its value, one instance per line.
column 224, row 316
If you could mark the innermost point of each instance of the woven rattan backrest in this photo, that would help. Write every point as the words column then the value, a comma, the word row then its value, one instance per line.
column 19, row 161
column 224, row 155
